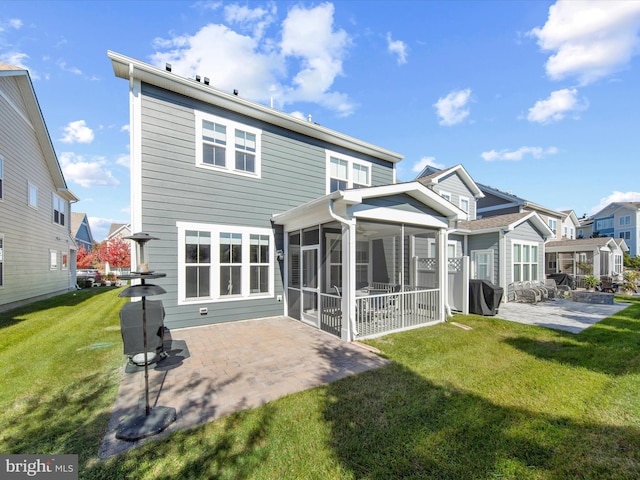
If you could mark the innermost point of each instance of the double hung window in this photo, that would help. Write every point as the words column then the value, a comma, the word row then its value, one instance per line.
column 346, row 172
column 525, row 262
column 58, row 210
column 222, row 263
column 228, row 146
column 32, row 198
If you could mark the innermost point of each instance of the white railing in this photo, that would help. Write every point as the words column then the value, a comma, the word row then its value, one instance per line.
column 391, row 312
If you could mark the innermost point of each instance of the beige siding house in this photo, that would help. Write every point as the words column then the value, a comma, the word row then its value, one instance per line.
column 37, row 252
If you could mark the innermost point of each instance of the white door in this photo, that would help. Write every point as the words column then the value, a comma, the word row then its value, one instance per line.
column 482, row 261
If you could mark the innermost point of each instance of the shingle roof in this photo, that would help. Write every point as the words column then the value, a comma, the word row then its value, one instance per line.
column 492, row 222
column 6, row 66
column 599, row 241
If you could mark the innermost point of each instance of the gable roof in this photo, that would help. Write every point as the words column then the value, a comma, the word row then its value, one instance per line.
column 504, row 222
column 432, row 176
column 36, row 121
column 118, row 228
column 514, row 200
column 132, row 69
column 77, row 220
column 613, row 207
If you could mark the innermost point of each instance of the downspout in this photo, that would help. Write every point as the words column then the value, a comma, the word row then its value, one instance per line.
column 443, row 267
column 347, row 297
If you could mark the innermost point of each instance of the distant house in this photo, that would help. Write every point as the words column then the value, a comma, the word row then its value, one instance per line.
column 567, row 250
column 37, row 251
column 504, row 247
column 118, row 230
column 81, row 231
column 259, row 213
column 619, row 220
column 585, row 227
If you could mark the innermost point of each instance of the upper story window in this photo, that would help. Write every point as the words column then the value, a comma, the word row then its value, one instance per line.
column 625, row 220
column 228, row 146
column 445, row 195
column 32, row 198
column 604, row 223
column 346, row 172
column 58, row 210
column 464, row 204
column 625, row 235
column 553, row 225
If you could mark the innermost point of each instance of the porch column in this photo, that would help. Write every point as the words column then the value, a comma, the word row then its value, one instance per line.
column 348, row 332
column 443, row 273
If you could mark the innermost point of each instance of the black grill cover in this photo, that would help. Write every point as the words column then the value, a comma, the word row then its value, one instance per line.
column 131, row 327
column 484, row 297
column 563, row 279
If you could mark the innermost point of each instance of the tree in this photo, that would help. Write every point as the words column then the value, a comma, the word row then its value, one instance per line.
column 116, row 252
column 84, row 258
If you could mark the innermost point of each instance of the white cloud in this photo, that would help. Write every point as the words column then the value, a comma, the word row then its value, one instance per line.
column 63, row 66
column 124, row 160
column 77, row 132
column 397, row 47
column 302, row 66
column 125, row 128
column 452, row 109
column 86, row 173
column 556, row 107
column 615, row 197
column 100, row 226
column 424, row 162
column 591, row 39
column 257, row 20
column 15, row 23
column 519, row 154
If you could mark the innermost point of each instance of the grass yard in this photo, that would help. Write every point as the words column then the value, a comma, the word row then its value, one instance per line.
column 500, row 401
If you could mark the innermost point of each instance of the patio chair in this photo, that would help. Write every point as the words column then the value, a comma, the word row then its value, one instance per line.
column 526, row 295
column 552, row 287
column 544, row 291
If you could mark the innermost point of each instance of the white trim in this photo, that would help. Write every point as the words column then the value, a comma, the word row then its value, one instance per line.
column 53, row 265
column 474, row 259
column 30, row 186
column 351, row 161
column 539, row 270
column 135, row 140
column 230, row 149
column 17, row 110
column 214, row 263
column 468, row 200
column 446, row 195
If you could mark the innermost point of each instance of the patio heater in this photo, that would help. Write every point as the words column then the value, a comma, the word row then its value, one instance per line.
column 157, row 419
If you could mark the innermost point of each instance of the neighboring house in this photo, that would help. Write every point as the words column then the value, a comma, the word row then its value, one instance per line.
column 118, row 230
column 569, row 224
column 81, row 231
column 585, row 227
column 601, row 256
column 37, row 252
column 619, row 220
column 259, row 213
column 496, row 202
column 503, row 248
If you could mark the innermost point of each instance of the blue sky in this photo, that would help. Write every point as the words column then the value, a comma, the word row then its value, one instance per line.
column 534, row 97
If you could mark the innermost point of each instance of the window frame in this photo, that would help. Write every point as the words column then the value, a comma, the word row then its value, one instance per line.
column 625, row 234
column 215, row 263
column 475, row 255
column 230, row 145
column 446, row 195
column 351, row 162
column 624, row 220
column 61, row 213
column 553, row 225
column 1, row 180
column 53, row 259
column 32, row 188
column 462, row 199
column 522, row 262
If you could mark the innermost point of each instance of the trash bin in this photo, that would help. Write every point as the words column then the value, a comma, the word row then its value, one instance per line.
column 484, row 297
column 131, row 328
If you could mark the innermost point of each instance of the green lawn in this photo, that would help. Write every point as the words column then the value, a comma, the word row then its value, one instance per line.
column 500, row 401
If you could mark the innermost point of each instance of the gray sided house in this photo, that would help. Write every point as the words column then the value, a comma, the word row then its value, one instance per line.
column 503, row 248
column 260, row 214
column 37, row 252
column 619, row 220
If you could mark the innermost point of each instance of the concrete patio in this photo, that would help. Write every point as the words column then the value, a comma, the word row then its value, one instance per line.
column 561, row 314
column 234, row 366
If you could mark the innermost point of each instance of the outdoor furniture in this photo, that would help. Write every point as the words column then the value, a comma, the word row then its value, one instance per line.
column 607, row 285
column 524, row 294
column 551, row 286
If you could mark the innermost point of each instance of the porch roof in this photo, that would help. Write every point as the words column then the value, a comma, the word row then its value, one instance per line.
column 350, row 203
column 586, row 244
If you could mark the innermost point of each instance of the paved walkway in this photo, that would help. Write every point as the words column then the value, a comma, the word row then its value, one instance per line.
column 235, row 366
column 561, row 314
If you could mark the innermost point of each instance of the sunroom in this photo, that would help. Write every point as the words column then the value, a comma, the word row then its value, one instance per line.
column 365, row 262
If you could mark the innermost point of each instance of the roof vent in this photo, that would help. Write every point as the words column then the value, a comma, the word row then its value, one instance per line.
column 235, row 92
column 197, row 78
column 206, row 80
column 167, row 67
